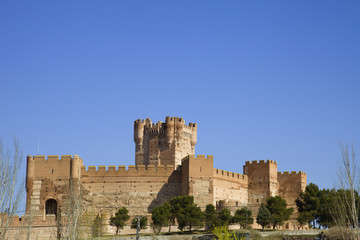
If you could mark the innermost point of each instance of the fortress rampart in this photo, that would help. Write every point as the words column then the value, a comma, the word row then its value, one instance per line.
column 290, row 185
column 247, row 163
column 292, row 173
column 132, row 170
column 230, row 176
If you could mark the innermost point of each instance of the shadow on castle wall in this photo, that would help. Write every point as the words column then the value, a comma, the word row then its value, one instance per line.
column 170, row 189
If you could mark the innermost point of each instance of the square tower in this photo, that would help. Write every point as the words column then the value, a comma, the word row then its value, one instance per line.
column 263, row 183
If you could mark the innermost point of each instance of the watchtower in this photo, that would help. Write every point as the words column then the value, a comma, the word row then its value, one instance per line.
column 47, row 181
column 263, row 183
column 163, row 143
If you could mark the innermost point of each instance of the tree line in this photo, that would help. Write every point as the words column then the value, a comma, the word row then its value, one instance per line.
column 316, row 209
column 188, row 216
column 323, row 208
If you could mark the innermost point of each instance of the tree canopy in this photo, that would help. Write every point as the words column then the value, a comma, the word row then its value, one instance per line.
column 264, row 216
column 210, row 217
column 120, row 218
column 308, row 204
column 279, row 211
column 224, row 217
column 186, row 212
column 243, row 217
column 161, row 217
column 143, row 223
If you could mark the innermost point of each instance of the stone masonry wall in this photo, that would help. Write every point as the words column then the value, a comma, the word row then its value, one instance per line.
column 290, row 186
column 139, row 188
column 231, row 188
column 48, row 178
column 262, row 179
column 197, row 179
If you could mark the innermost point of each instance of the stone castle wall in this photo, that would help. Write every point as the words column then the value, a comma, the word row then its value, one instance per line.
column 197, row 179
column 150, row 182
column 262, row 178
column 290, row 185
column 48, row 178
column 230, row 187
column 139, row 188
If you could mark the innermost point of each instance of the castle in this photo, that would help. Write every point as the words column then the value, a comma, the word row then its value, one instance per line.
column 165, row 167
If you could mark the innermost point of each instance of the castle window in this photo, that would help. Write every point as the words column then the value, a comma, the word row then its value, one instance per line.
column 51, row 206
column 257, row 200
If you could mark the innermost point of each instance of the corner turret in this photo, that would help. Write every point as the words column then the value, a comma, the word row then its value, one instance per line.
column 193, row 138
column 76, row 164
column 139, row 126
column 169, row 129
column 29, row 171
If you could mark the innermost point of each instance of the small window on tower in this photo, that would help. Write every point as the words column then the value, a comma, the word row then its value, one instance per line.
column 200, row 169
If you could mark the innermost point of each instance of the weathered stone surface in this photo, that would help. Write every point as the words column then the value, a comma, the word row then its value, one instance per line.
column 165, row 168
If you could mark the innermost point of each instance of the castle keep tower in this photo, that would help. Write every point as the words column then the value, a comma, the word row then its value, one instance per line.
column 163, row 143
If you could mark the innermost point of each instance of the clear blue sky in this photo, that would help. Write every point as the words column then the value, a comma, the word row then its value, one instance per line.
column 263, row 79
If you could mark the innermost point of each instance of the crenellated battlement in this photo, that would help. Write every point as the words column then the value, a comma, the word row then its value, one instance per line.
column 155, row 126
column 138, row 121
column 39, row 158
column 155, row 129
column 190, row 126
column 292, row 173
column 230, row 175
column 208, row 157
column 260, row 162
column 159, row 127
column 53, row 166
column 156, row 141
column 122, row 170
column 175, row 119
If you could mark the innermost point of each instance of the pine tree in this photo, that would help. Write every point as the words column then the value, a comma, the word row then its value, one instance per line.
column 120, row 218
column 186, row 212
column 243, row 217
column 277, row 207
column 224, row 217
column 308, row 203
column 210, row 216
column 264, row 216
column 143, row 223
column 161, row 217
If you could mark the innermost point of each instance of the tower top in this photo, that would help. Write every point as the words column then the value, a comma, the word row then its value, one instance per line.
column 164, row 143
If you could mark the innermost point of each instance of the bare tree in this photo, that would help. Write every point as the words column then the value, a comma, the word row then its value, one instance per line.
column 70, row 214
column 346, row 200
column 11, row 188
